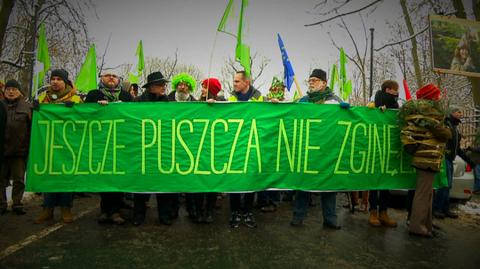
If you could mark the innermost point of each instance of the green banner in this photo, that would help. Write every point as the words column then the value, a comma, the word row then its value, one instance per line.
column 221, row 147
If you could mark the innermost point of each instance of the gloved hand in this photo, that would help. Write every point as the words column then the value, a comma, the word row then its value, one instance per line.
column 345, row 105
column 36, row 105
column 69, row 103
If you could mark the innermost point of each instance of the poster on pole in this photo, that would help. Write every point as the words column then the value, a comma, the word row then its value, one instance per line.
column 455, row 45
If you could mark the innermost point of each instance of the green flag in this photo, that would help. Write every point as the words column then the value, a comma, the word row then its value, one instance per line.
column 333, row 77
column 242, row 50
column 345, row 85
column 132, row 78
column 43, row 60
column 87, row 77
column 141, row 59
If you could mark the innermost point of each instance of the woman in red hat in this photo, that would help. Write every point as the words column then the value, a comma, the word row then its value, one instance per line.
column 424, row 135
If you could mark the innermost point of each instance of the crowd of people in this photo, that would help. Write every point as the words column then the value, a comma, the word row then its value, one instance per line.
column 430, row 144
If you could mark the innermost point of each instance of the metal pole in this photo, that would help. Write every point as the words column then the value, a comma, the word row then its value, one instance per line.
column 371, row 63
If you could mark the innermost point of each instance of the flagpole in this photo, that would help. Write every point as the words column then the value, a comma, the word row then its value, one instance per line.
column 210, row 61
column 298, row 86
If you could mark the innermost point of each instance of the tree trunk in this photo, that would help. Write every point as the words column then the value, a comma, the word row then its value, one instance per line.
column 411, row 32
column 6, row 10
column 26, row 73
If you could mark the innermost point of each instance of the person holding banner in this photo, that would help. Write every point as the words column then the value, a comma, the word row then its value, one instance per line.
column 15, row 146
column 60, row 91
column 183, row 85
column 205, row 201
column 212, row 90
column 243, row 91
column 424, row 135
column 110, row 90
column 318, row 93
column 268, row 201
column 155, row 92
column 378, row 199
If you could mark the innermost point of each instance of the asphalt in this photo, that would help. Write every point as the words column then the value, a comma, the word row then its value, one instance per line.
column 273, row 244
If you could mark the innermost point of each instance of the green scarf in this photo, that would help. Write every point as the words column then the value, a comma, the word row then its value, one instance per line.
column 112, row 96
column 319, row 97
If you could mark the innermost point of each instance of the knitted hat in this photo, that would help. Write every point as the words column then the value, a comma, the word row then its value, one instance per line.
column 12, row 84
column 213, row 86
column 185, row 78
column 61, row 73
column 429, row 92
column 319, row 73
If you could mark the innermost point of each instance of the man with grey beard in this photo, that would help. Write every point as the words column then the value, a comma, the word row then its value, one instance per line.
column 183, row 85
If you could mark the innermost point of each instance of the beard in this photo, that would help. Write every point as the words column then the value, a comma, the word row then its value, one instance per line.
column 181, row 96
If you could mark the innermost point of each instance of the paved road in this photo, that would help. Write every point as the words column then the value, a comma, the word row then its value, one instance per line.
column 274, row 244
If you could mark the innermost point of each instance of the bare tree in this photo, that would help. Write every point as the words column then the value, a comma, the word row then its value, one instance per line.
column 5, row 12
column 66, row 32
column 258, row 64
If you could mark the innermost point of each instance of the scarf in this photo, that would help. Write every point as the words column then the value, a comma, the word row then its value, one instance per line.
column 319, row 97
column 113, row 95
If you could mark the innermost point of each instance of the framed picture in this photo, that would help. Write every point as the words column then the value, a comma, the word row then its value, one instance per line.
column 455, row 45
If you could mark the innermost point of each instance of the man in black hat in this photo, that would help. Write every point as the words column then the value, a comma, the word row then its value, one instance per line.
column 318, row 93
column 109, row 90
column 15, row 145
column 166, row 202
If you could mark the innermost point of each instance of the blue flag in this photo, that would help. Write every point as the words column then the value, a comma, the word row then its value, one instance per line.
column 287, row 66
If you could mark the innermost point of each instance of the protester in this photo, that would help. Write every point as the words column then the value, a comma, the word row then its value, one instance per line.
column 424, row 135
column 183, row 85
column 318, row 93
column 204, row 202
column 276, row 93
column 243, row 91
column 61, row 90
column 212, row 90
column 441, row 203
column 133, row 90
column 166, row 202
column 109, row 91
column 268, row 201
column 15, row 145
column 378, row 199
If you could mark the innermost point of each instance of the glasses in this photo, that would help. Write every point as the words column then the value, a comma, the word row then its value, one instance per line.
column 110, row 75
column 313, row 80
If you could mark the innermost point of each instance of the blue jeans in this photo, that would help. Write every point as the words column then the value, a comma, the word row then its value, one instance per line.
column 329, row 203
column 476, row 172
column 53, row 199
column 441, row 203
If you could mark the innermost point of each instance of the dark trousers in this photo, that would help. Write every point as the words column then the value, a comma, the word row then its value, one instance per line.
column 167, row 204
column 111, row 202
column 265, row 198
column 236, row 202
column 378, row 200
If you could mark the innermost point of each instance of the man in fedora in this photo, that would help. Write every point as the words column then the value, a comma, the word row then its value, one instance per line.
column 166, row 202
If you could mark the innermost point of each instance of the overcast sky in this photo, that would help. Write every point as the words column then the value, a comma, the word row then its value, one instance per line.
column 190, row 26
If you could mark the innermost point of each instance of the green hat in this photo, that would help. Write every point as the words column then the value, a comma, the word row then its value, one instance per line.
column 185, row 78
column 276, row 83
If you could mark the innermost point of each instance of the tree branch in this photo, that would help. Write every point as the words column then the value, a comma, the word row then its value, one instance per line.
column 344, row 14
